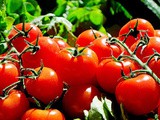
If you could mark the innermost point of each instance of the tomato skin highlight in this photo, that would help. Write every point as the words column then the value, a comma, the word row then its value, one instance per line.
column 143, row 24
column 109, row 73
column 152, row 45
column 46, row 87
column 46, row 54
column 157, row 32
column 61, row 43
column 19, row 42
column 88, row 36
column 14, row 106
column 77, row 70
column 138, row 95
column 77, row 99
column 8, row 75
column 38, row 114
column 104, row 49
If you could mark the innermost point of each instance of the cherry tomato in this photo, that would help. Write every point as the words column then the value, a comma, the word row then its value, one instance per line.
column 142, row 25
column 19, row 42
column 159, row 112
column 138, row 95
column 46, row 87
column 155, row 66
column 104, row 49
column 61, row 43
column 13, row 106
column 88, row 36
column 143, row 53
column 39, row 114
column 8, row 75
column 9, row 57
column 77, row 99
column 46, row 54
column 157, row 32
column 77, row 66
column 109, row 72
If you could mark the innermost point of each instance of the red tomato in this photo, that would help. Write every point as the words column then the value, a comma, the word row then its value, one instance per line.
column 144, row 52
column 159, row 112
column 77, row 99
column 13, row 106
column 19, row 42
column 155, row 66
column 109, row 73
column 8, row 75
column 46, row 87
column 138, row 95
column 61, row 43
column 88, row 36
column 38, row 114
column 77, row 66
column 104, row 49
column 46, row 54
column 9, row 57
column 143, row 25
column 157, row 32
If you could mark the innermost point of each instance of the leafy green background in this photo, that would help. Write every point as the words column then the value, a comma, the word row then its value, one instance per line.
column 103, row 15
column 116, row 12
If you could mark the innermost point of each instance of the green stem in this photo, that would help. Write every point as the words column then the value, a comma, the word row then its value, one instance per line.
column 9, row 88
column 144, row 65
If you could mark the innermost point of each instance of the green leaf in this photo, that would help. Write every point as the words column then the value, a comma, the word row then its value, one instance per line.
column 107, row 105
column 116, row 7
column 3, row 47
column 3, row 24
column 96, row 17
column 153, row 6
column 60, row 9
column 29, row 7
column 14, row 6
column 100, row 109
column 93, row 115
column 59, row 25
column 15, row 16
column 23, row 10
column 82, row 13
column 60, row 2
column 9, row 21
column 35, row 9
column 3, row 7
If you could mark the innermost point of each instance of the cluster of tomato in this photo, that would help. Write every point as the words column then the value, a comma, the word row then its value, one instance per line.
column 46, row 78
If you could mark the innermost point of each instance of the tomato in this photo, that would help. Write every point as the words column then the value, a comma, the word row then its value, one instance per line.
column 11, row 58
column 138, row 95
column 61, row 43
column 39, row 114
column 109, row 72
column 46, row 54
column 157, row 32
column 143, row 25
column 13, row 106
column 8, row 75
column 104, row 49
column 46, row 87
column 77, row 99
column 143, row 53
column 159, row 112
column 155, row 66
column 88, row 36
column 19, row 42
column 76, row 66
